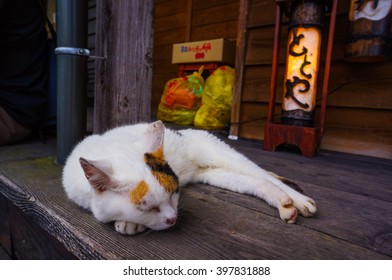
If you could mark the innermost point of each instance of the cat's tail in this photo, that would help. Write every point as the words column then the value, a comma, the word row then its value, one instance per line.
column 287, row 182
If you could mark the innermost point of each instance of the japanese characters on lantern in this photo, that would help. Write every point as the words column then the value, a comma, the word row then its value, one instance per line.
column 300, row 82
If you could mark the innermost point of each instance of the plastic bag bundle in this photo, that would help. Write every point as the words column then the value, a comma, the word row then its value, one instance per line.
column 181, row 99
column 215, row 111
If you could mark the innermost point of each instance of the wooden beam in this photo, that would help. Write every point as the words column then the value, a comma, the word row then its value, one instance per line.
column 188, row 32
column 239, row 68
column 123, row 81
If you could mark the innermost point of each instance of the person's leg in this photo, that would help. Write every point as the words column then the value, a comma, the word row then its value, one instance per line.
column 10, row 130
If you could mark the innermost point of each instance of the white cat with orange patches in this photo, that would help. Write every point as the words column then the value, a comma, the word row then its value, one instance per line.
column 131, row 175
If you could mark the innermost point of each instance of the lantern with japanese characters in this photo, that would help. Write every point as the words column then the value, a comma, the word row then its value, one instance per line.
column 302, row 62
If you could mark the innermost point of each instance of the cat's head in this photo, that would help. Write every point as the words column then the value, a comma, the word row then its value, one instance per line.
column 142, row 190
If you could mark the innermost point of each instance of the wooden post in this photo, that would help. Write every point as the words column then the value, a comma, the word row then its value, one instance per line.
column 124, row 36
column 239, row 68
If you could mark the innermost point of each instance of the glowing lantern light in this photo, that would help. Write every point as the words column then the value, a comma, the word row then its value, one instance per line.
column 301, row 74
column 302, row 63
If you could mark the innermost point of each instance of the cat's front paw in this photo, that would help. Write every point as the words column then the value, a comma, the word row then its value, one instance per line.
column 129, row 228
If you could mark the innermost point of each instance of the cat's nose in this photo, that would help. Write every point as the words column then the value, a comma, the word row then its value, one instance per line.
column 171, row 221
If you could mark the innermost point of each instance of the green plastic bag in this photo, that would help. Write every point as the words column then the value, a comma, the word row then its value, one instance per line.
column 215, row 111
column 181, row 99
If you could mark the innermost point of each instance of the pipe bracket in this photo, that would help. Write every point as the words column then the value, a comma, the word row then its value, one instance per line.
column 77, row 51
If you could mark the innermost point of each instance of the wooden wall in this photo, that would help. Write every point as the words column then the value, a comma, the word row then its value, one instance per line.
column 359, row 112
column 92, row 15
column 178, row 21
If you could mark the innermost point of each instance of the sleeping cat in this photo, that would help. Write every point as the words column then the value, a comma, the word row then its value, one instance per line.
column 131, row 175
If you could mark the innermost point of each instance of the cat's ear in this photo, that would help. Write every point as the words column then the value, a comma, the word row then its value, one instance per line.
column 98, row 174
column 153, row 137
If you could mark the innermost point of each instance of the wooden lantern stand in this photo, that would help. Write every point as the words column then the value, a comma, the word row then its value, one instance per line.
column 307, row 139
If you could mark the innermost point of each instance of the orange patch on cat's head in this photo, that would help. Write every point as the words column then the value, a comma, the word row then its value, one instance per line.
column 159, row 153
column 167, row 181
column 139, row 192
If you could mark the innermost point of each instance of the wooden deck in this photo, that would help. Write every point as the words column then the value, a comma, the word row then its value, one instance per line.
column 354, row 220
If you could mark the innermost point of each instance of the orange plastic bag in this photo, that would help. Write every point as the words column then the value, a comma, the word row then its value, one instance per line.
column 181, row 99
column 215, row 111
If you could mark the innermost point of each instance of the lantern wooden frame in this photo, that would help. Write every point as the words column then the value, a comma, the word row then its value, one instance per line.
column 307, row 139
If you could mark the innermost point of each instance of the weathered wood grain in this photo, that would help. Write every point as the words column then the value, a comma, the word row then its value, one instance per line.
column 338, row 214
column 28, row 150
column 217, row 14
column 30, row 241
column 123, row 81
column 5, row 229
column 239, row 68
column 364, row 90
column 353, row 221
column 233, row 231
column 4, row 255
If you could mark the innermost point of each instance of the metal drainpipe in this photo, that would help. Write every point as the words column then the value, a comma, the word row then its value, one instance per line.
column 71, row 76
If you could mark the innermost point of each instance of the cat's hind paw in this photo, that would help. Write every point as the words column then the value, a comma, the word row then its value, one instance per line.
column 129, row 228
column 307, row 208
column 287, row 211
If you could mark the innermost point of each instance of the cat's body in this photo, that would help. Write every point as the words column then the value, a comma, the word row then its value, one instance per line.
column 131, row 174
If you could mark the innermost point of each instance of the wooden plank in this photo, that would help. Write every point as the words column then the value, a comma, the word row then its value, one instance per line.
column 162, row 57
column 239, row 68
column 171, row 22
column 169, row 8
column 217, row 14
column 336, row 117
column 4, row 255
column 260, row 46
column 28, row 150
column 253, row 129
column 226, row 30
column 170, row 37
column 359, row 118
column 261, row 13
column 366, row 142
column 206, row 5
column 368, row 89
column 240, row 232
column 257, row 230
column 189, row 18
column 123, row 86
column 30, row 241
column 242, row 227
column 343, row 176
column 334, row 207
column 5, row 229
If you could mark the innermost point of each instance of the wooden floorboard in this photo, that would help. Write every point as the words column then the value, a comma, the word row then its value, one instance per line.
column 353, row 194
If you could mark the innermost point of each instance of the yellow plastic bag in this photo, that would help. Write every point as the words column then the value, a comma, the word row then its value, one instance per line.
column 215, row 111
column 181, row 99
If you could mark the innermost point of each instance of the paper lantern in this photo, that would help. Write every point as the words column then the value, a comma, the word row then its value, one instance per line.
column 301, row 74
column 302, row 63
